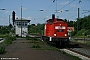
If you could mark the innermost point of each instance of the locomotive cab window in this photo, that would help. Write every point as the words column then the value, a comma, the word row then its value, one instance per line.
column 60, row 30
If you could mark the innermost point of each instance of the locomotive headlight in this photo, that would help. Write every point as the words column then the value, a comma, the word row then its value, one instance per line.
column 54, row 34
column 65, row 34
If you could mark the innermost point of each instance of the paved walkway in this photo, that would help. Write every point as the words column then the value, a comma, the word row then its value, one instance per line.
column 21, row 49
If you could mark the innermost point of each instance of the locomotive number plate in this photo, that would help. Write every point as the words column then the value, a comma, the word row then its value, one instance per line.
column 60, row 27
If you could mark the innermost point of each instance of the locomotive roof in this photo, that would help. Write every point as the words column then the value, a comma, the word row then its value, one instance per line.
column 52, row 20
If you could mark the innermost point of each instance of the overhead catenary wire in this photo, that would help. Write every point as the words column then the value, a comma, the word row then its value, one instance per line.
column 56, row 5
column 47, row 10
column 63, row 6
column 79, row 14
column 67, row 4
column 3, row 17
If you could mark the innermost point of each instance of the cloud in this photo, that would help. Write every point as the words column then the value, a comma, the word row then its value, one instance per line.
column 16, row 17
column 64, row 3
column 23, row 8
column 2, row 19
column 48, row 17
column 29, row 17
column 25, row 17
column 74, row 6
column 7, row 12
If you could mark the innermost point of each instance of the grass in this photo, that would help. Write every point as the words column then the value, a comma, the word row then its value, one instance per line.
column 63, row 52
column 8, row 40
column 80, row 33
column 2, row 50
column 82, row 41
column 74, row 57
column 40, row 45
column 88, row 43
column 3, row 35
column 36, row 45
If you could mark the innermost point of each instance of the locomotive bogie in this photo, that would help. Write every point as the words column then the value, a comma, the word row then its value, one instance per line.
column 57, row 41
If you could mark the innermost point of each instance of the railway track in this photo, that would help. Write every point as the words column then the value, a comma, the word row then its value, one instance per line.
column 88, row 39
column 76, row 53
column 35, row 35
column 76, row 49
column 81, row 51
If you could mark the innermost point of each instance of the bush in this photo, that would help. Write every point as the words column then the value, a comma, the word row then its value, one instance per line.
column 9, row 40
column 27, row 37
column 2, row 50
column 36, row 46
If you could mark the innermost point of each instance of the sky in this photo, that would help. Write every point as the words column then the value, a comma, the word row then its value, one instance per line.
column 63, row 9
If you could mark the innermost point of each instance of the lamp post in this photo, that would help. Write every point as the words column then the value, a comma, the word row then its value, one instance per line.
column 78, row 18
column 21, row 21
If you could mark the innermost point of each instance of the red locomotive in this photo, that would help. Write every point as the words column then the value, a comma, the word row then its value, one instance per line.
column 56, row 31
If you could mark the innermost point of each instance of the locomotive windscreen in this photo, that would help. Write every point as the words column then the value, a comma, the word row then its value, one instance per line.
column 59, row 30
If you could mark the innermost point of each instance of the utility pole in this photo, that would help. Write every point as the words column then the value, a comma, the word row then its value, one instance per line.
column 78, row 15
column 21, row 21
column 78, row 19
column 9, row 19
column 78, row 12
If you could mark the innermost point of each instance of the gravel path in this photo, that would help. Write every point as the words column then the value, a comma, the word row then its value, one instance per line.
column 21, row 50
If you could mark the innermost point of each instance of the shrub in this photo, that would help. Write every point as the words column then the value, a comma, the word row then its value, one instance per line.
column 27, row 37
column 2, row 50
column 36, row 46
column 9, row 40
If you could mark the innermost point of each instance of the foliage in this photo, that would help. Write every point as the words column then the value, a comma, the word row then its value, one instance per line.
column 3, row 35
column 73, row 33
column 83, row 26
column 9, row 40
column 83, row 23
column 63, row 52
column 2, row 50
column 38, row 29
column 6, row 29
column 27, row 37
column 30, row 38
column 87, row 43
column 70, row 23
column 80, row 32
column 36, row 45
column 33, row 40
column 74, row 57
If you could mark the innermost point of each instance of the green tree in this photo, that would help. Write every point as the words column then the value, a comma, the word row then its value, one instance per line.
column 38, row 29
